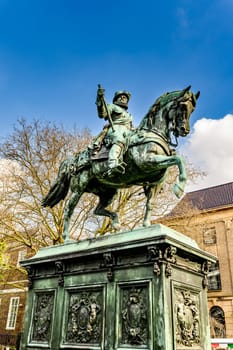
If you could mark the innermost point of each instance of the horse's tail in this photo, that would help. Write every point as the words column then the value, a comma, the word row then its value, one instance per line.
column 60, row 188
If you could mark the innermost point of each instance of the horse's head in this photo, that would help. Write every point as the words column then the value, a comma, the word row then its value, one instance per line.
column 180, row 111
column 170, row 114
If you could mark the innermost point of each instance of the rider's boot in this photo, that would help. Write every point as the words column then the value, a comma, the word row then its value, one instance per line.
column 115, row 163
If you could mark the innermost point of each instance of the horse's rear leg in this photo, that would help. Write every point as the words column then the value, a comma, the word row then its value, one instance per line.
column 150, row 193
column 105, row 199
column 69, row 209
column 78, row 186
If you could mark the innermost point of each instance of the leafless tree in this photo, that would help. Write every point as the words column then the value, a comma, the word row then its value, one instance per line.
column 31, row 157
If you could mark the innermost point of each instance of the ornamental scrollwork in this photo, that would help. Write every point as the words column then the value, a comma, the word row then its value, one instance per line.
column 60, row 268
column 109, row 262
column 155, row 254
column 169, row 254
column 160, row 255
column 205, row 270
column 31, row 273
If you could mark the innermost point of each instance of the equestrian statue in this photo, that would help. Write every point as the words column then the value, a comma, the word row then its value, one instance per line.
column 122, row 156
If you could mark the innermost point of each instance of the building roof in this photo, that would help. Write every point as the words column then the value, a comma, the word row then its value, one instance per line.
column 211, row 197
column 206, row 199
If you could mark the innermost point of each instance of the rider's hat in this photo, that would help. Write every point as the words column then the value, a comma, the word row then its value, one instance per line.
column 119, row 93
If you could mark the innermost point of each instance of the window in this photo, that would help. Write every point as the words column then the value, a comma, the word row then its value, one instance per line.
column 209, row 236
column 12, row 313
column 214, row 280
column 217, row 322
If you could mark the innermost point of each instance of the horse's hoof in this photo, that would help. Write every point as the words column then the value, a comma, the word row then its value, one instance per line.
column 65, row 237
column 178, row 191
column 146, row 223
column 116, row 226
column 68, row 240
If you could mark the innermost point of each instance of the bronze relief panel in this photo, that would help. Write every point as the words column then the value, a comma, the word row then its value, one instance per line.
column 85, row 317
column 42, row 317
column 133, row 315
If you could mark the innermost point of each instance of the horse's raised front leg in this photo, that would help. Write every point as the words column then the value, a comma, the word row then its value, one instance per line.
column 105, row 199
column 164, row 162
column 182, row 178
column 150, row 193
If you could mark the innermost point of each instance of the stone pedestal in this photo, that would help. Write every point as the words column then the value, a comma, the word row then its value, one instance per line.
column 142, row 289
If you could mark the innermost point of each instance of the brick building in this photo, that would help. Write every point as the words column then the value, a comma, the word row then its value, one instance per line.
column 207, row 216
column 13, row 293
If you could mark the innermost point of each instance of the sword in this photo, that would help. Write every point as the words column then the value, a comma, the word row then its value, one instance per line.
column 106, row 107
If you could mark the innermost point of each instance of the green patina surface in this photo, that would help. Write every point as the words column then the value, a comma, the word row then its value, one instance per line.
column 136, row 237
column 141, row 289
column 122, row 156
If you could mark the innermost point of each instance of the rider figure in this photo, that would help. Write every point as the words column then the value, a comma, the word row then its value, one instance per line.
column 120, row 126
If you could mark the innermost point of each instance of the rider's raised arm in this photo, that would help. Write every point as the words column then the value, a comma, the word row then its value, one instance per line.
column 102, row 107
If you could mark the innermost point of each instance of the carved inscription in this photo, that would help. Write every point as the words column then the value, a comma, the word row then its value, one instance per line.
column 187, row 319
column 42, row 318
column 85, row 317
column 134, row 316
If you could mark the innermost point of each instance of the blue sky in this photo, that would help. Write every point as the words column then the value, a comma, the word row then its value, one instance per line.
column 54, row 53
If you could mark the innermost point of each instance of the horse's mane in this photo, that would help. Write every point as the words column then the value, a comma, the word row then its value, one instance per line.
column 153, row 113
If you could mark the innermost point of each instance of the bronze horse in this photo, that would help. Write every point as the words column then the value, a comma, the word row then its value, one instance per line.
column 150, row 153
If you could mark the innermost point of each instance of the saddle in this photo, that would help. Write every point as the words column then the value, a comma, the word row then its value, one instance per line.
column 86, row 157
column 89, row 155
column 100, row 154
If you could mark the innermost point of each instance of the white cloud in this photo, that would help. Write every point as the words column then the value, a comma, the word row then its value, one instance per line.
column 210, row 148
